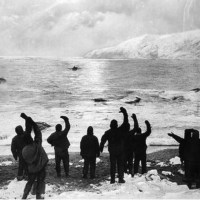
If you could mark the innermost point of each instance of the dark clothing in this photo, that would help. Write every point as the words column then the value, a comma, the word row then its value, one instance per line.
column 61, row 144
column 130, row 147
column 89, row 151
column 17, row 145
column 116, row 139
column 16, row 148
column 89, row 162
column 140, row 148
column 116, row 160
column 189, row 151
column 36, row 159
column 62, row 156
column 40, row 187
column 89, row 146
column 140, row 157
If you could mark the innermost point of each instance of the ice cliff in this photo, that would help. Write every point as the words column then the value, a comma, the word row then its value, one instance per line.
column 184, row 45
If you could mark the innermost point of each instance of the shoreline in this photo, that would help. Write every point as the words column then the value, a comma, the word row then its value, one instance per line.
column 5, row 150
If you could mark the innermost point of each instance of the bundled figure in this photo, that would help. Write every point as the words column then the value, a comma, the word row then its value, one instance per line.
column 89, row 151
column 116, row 139
column 140, row 147
column 59, row 140
column 16, row 148
column 189, row 150
column 36, row 160
column 130, row 147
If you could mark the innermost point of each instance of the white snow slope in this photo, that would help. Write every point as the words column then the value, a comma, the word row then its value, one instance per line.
column 185, row 45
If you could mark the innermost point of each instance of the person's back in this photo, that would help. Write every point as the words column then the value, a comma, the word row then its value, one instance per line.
column 140, row 148
column 89, row 146
column 116, row 141
column 59, row 140
column 140, row 139
column 36, row 159
column 17, row 145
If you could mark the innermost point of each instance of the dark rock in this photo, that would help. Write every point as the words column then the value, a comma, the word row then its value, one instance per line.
column 196, row 89
column 2, row 80
column 99, row 100
column 43, row 125
column 179, row 98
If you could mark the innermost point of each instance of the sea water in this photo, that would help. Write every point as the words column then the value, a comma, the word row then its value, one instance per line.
column 46, row 88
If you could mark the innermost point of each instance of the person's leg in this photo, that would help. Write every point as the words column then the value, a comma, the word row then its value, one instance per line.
column 58, row 161
column 85, row 167
column 92, row 167
column 20, row 169
column 126, row 156
column 136, row 163
column 120, row 167
column 65, row 159
column 144, row 163
column 113, row 163
column 29, row 184
column 130, row 162
column 40, row 189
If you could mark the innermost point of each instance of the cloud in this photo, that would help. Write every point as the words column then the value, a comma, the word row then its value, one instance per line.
column 73, row 27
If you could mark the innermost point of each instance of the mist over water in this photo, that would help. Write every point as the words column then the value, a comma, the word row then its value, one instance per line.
column 48, row 88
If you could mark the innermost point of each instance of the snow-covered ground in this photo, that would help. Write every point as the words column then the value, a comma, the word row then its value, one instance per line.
column 151, row 185
column 148, row 186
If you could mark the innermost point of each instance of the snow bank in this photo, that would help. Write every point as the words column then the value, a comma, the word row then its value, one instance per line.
column 5, row 163
column 175, row 161
column 147, row 186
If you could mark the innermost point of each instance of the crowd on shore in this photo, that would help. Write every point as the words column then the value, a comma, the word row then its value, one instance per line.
column 124, row 144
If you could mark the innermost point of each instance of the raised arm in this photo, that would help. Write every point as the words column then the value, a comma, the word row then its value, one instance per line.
column 136, row 125
column 104, row 138
column 67, row 126
column 14, row 149
column 28, row 123
column 148, row 131
column 176, row 137
column 125, row 126
column 38, row 133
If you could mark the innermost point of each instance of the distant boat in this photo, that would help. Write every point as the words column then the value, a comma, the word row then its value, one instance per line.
column 74, row 68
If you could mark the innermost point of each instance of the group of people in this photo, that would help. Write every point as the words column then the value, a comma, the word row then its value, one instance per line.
column 123, row 144
column 189, row 153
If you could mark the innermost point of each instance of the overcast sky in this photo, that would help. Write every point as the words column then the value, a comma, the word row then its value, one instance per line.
column 74, row 27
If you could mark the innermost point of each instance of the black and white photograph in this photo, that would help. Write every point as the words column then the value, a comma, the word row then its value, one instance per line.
column 99, row 99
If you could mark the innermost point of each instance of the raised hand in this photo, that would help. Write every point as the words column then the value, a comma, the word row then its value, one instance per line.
column 23, row 115
column 170, row 134
column 122, row 109
column 133, row 115
column 64, row 117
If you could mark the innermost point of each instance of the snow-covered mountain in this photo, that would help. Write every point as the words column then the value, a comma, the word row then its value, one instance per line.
column 185, row 45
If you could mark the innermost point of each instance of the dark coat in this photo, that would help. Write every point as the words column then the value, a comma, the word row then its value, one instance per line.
column 89, row 146
column 59, row 139
column 116, row 138
column 17, row 145
column 34, row 154
column 139, row 141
